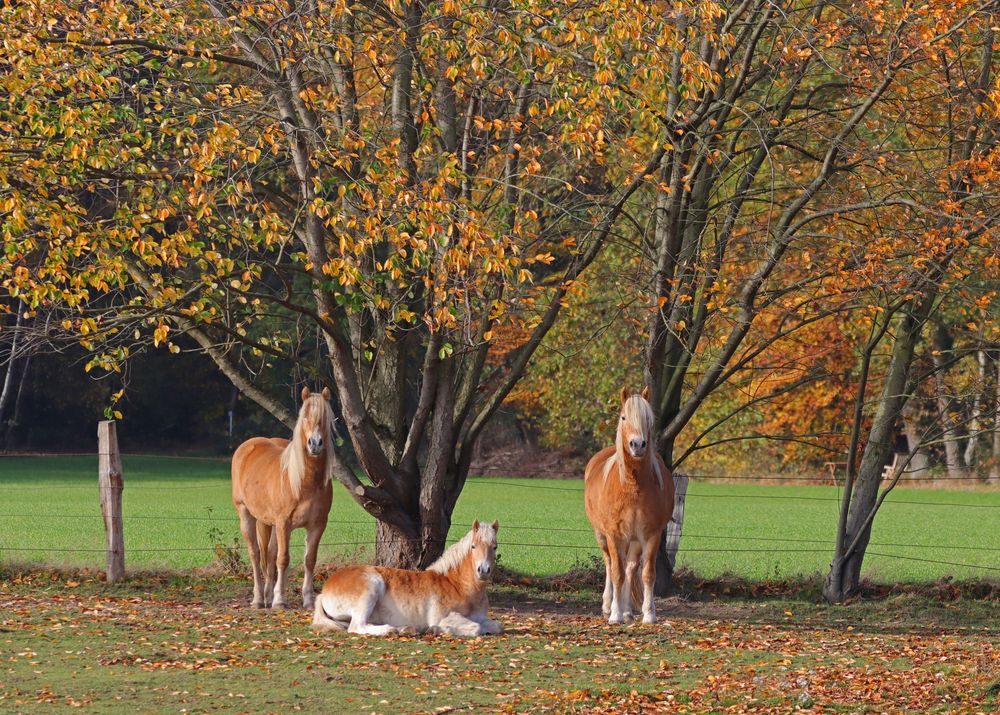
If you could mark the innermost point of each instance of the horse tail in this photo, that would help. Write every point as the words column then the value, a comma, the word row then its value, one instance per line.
column 322, row 620
column 636, row 590
column 264, row 537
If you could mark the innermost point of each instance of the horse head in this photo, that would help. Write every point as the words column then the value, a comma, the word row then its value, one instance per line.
column 635, row 428
column 315, row 421
column 484, row 548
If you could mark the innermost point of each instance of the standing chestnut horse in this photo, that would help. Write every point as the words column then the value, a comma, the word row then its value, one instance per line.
column 282, row 485
column 629, row 497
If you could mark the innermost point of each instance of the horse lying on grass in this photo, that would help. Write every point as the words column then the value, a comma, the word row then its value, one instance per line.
column 449, row 597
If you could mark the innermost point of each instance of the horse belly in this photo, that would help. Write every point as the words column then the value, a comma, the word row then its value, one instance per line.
column 399, row 610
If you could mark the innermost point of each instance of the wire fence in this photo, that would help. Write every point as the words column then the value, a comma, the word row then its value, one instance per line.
column 507, row 527
column 550, row 473
column 760, row 544
column 588, row 548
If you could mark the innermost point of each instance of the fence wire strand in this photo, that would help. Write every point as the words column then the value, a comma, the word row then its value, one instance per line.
column 823, row 546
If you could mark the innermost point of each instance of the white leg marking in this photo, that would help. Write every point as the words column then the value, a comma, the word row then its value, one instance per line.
column 617, row 585
column 606, row 600
column 649, row 553
column 648, row 605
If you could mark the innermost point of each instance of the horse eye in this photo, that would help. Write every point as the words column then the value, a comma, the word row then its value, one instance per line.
column 473, row 546
column 623, row 418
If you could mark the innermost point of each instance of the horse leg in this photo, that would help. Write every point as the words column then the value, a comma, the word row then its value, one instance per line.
column 631, row 564
column 314, row 532
column 487, row 626
column 649, row 553
column 606, row 599
column 458, row 625
column 365, row 605
column 248, row 525
column 616, row 555
column 282, row 531
column 264, row 541
column 272, row 566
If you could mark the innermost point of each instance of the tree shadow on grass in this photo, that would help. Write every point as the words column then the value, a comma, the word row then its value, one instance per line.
column 938, row 607
column 943, row 606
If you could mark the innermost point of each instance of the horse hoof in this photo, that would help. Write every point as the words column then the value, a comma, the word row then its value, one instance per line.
column 258, row 604
column 279, row 606
column 649, row 619
column 615, row 620
column 308, row 605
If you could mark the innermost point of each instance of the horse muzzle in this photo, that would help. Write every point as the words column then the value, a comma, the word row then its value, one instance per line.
column 637, row 447
column 314, row 446
column 484, row 572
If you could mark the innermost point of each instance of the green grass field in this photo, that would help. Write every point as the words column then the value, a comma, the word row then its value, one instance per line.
column 176, row 509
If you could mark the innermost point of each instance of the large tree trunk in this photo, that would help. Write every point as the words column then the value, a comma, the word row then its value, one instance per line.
column 397, row 548
column 854, row 530
column 419, row 543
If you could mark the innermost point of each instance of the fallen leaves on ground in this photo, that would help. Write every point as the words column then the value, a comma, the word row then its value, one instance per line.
column 59, row 645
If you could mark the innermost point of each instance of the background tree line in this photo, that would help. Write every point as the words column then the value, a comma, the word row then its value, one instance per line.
column 779, row 216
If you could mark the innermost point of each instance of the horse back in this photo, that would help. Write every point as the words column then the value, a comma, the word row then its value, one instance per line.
column 350, row 582
column 415, row 592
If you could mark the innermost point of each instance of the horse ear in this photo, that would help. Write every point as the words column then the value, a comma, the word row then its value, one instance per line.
column 496, row 525
column 326, row 393
column 305, row 393
column 475, row 526
column 645, row 392
column 624, row 395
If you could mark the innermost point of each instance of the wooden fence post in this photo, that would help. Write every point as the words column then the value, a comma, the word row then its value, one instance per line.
column 111, row 481
column 673, row 539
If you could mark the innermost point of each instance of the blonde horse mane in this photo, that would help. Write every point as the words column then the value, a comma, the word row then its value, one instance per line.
column 457, row 552
column 293, row 457
column 639, row 414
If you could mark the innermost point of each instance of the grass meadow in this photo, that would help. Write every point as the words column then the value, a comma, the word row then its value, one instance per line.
column 177, row 509
column 177, row 635
column 183, row 643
